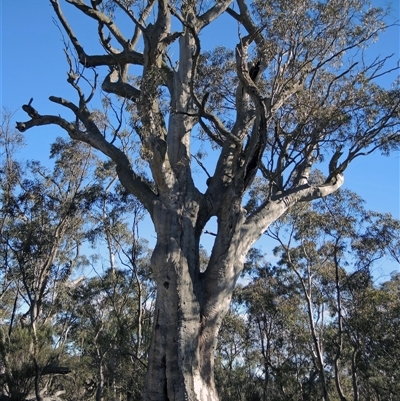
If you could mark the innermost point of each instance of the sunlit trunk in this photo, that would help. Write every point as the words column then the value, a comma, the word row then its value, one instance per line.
column 181, row 355
column 181, row 360
column 100, row 378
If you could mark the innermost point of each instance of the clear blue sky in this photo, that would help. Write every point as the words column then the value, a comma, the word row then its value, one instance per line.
column 33, row 65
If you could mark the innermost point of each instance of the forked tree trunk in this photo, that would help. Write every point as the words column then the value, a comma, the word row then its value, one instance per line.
column 189, row 310
column 190, row 303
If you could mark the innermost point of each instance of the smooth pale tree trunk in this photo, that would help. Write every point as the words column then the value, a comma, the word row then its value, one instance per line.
column 176, row 356
column 189, row 308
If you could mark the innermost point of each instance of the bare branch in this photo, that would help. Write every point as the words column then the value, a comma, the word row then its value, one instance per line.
column 113, row 84
column 102, row 19
column 201, row 165
column 139, row 23
column 125, row 57
column 214, row 12
column 93, row 137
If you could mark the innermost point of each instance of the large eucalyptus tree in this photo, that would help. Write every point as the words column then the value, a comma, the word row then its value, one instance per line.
column 291, row 89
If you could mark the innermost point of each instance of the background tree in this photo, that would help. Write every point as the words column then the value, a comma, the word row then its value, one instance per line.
column 294, row 91
column 108, row 317
column 316, row 308
column 94, row 332
column 42, row 230
column 330, row 249
column 278, row 362
column 109, row 358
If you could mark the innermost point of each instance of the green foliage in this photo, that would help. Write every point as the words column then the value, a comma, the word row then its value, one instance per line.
column 104, row 337
column 21, row 352
column 18, row 366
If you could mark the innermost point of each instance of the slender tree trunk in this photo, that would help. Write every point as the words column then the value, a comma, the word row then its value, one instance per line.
column 100, row 377
column 318, row 351
column 37, row 381
column 34, row 314
column 265, row 351
column 354, row 374
column 339, row 331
